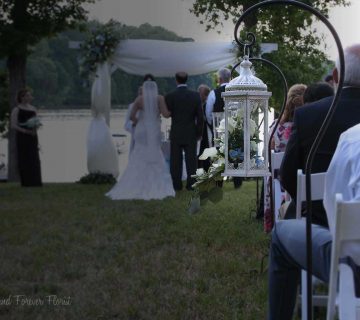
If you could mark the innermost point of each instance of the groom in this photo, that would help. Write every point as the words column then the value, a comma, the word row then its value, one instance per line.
column 186, row 128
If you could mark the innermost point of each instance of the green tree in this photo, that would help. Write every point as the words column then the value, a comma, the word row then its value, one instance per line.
column 23, row 23
column 299, row 55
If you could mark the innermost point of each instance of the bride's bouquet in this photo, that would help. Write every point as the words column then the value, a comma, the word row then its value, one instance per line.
column 31, row 123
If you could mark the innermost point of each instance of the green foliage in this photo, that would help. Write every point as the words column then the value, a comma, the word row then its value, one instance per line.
column 299, row 55
column 99, row 46
column 97, row 178
column 24, row 23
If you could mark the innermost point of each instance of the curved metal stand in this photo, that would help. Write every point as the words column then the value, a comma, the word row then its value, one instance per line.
column 324, row 126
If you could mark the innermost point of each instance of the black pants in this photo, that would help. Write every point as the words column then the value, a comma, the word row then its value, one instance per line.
column 176, row 163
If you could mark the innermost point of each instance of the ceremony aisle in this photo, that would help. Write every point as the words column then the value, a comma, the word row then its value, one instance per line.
column 78, row 255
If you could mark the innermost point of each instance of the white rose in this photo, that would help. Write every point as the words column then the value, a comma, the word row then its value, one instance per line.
column 231, row 124
column 200, row 171
column 221, row 127
column 208, row 152
column 222, row 149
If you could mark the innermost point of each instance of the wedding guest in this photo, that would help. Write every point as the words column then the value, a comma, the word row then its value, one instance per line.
column 25, row 122
column 204, row 91
column 280, row 140
column 215, row 103
column 288, row 244
column 295, row 99
column 307, row 122
column 329, row 79
column 317, row 91
column 186, row 129
column 288, row 252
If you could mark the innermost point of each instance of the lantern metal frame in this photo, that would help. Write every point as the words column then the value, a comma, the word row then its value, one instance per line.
column 248, row 98
column 323, row 128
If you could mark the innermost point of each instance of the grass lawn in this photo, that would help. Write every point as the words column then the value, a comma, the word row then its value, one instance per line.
column 105, row 259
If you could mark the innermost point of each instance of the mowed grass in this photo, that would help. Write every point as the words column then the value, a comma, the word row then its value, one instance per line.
column 130, row 259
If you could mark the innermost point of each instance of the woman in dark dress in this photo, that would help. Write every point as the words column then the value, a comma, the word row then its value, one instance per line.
column 26, row 139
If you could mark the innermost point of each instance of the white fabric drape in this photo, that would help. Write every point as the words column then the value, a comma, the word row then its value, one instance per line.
column 162, row 59
column 101, row 152
column 101, row 92
column 165, row 58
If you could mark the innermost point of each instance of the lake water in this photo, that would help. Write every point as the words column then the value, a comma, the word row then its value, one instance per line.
column 62, row 140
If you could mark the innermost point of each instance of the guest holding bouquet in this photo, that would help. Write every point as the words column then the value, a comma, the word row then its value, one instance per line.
column 25, row 122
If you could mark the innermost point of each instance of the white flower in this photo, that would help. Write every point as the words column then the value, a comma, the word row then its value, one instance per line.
column 200, row 172
column 240, row 113
column 231, row 124
column 208, row 152
column 252, row 127
column 221, row 127
column 222, row 149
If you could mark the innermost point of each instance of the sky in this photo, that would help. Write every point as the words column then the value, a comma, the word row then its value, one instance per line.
column 174, row 15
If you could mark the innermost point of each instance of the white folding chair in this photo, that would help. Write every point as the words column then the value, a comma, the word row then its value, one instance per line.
column 347, row 224
column 317, row 193
column 277, row 194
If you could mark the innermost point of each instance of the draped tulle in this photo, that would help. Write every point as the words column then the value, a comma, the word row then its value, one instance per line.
column 147, row 175
column 101, row 152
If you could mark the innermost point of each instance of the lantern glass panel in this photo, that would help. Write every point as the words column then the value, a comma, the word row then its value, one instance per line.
column 257, row 127
column 218, row 128
column 236, row 116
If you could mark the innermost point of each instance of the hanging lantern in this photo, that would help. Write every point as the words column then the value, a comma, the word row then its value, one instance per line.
column 246, row 125
column 218, row 131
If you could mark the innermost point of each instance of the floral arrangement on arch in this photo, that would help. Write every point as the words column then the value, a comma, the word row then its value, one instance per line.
column 99, row 46
column 206, row 185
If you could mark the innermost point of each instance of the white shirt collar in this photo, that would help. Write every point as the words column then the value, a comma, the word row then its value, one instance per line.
column 182, row 85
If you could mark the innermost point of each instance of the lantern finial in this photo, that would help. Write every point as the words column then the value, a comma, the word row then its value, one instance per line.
column 246, row 79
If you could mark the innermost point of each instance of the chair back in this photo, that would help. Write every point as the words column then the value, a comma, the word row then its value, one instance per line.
column 317, row 193
column 276, row 159
column 317, row 189
column 347, row 224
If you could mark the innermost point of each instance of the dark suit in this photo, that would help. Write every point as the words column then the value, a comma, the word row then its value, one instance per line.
column 307, row 123
column 186, row 128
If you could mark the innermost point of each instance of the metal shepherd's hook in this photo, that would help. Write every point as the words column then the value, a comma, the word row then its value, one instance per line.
column 324, row 126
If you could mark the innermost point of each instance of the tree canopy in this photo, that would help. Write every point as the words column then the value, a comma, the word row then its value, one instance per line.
column 23, row 23
column 299, row 54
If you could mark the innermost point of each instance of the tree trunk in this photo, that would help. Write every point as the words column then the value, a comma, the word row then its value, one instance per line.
column 16, row 65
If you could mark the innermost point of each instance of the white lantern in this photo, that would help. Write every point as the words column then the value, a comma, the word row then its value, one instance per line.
column 218, row 131
column 246, row 125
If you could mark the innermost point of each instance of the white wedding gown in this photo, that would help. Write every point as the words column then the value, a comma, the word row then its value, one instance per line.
column 147, row 174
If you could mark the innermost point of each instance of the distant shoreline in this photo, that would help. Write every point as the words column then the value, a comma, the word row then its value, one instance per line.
column 75, row 108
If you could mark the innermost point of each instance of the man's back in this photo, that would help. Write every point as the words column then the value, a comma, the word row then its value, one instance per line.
column 186, row 114
column 307, row 123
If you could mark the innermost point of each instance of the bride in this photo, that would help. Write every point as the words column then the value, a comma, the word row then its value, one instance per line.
column 147, row 175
